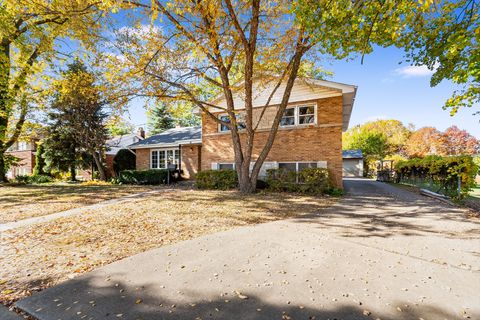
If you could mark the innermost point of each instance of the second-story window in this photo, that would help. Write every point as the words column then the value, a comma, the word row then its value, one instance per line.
column 298, row 115
column 288, row 118
column 306, row 114
column 22, row 146
column 240, row 121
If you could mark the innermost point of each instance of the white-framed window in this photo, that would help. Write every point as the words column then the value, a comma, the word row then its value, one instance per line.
column 240, row 121
column 226, row 166
column 299, row 115
column 297, row 166
column 22, row 146
column 160, row 159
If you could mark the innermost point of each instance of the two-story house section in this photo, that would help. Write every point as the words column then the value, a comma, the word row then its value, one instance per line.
column 310, row 132
column 24, row 151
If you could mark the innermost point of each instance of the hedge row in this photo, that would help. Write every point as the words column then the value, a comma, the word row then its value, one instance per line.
column 443, row 171
column 153, row 176
column 217, row 179
column 308, row 180
column 38, row 178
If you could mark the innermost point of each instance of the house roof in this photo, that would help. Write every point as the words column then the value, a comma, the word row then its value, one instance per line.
column 121, row 142
column 352, row 154
column 171, row 137
column 304, row 89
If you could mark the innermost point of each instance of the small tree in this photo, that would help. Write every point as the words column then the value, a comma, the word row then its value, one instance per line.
column 124, row 160
column 61, row 150
column 160, row 119
column 374, row 144
column 39, row 160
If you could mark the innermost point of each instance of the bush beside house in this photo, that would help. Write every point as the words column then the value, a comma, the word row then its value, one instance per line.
column 217, row 179
column 153, row 176
column 308, row 180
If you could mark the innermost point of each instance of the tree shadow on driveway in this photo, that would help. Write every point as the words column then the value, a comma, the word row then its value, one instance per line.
column 373, row 209
column 93, row 298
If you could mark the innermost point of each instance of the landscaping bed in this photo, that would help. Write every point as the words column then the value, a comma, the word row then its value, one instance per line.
column 42, row 255
column 18, row 202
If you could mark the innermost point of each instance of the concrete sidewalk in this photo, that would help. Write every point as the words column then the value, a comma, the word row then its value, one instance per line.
column 380, row 253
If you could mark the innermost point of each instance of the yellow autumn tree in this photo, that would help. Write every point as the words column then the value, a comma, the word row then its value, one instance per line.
column 240, row 47
column 29, row 34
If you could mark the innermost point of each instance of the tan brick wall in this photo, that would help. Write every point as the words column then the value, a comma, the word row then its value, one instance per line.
column 190, row 160
column 320, row 142
column 26, row 162
column 143, row 159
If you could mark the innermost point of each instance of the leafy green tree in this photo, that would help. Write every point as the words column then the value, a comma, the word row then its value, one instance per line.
column 39, row 160
column 61, row 150
column 81, row 115
column 159, row 119
column 118, row 126
column 395, row 131
column 374, row 144
column 442, row 35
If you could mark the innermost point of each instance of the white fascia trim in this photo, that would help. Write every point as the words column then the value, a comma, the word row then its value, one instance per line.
column 166, row 145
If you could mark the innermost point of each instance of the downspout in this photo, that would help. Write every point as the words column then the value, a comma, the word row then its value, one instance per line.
column 179, row 159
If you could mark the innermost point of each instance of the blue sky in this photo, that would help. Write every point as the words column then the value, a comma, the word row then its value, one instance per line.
column 386, row 90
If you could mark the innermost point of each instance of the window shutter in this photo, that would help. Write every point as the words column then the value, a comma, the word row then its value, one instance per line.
column 214, row 166
column 322, row 164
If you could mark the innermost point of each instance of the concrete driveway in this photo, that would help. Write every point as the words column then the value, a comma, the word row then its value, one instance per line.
column 380, row 253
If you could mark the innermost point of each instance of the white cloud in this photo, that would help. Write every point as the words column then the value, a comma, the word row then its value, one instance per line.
column 141, row 30
column 414, row 71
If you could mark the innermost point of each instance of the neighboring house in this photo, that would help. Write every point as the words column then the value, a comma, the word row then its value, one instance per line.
column 179, row 146
column 310, row 133
column 352, row 163
column 118, row 143
column 25, row 152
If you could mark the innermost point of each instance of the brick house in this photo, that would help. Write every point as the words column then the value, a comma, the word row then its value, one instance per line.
column 117, row 143
column 25, row 152
column 310, row 133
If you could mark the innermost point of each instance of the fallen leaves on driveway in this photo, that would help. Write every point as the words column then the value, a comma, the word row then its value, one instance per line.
column 39, row 256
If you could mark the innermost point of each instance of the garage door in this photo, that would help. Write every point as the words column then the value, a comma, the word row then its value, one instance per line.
column 352, row 168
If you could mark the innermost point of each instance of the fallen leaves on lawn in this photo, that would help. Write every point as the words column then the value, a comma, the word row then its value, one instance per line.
column 23, row 202
column 39, row 256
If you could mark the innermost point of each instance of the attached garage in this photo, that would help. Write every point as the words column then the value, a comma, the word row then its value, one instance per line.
column 352, row 163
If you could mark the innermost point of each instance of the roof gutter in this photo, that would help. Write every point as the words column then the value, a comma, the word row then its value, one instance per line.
column 166, row 145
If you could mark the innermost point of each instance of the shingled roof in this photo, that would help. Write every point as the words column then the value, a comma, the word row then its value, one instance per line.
column 352, row 154
column 171, row 137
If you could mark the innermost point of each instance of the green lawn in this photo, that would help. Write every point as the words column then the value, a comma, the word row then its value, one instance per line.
column 475, row 192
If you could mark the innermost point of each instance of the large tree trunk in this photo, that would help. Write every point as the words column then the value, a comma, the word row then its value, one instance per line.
column 4, row 98
column 73, row 172
column 100, row 168
column 3, row 173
